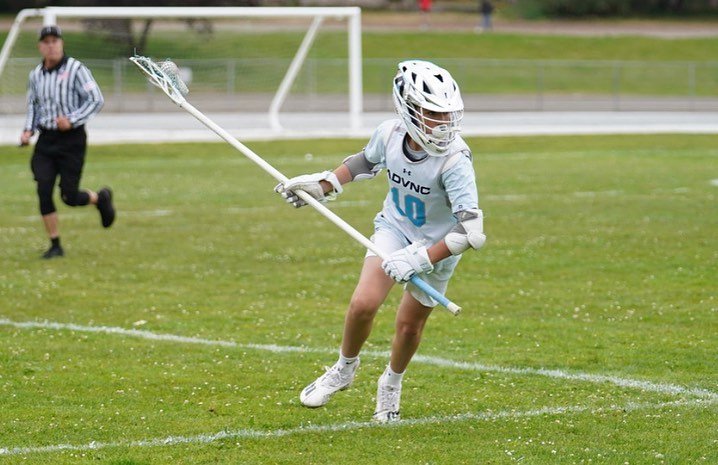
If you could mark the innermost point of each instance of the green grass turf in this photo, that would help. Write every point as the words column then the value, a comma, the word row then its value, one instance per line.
column 661, row 67
column 441, row 43
column 601, row 259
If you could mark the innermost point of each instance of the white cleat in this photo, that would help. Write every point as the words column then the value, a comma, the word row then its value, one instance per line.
column 337, row 378
column 387, row 403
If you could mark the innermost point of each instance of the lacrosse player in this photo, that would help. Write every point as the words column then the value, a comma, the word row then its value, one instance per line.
column 62, row 96
column 429, row 218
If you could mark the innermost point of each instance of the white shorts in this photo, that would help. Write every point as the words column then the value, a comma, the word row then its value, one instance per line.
column 389, row 240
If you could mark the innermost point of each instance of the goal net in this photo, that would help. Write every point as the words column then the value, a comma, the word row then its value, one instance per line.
column 269, row 60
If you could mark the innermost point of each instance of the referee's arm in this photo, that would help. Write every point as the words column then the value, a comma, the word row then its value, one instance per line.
column 32, row 113
column 30, row 117
column 90, row 96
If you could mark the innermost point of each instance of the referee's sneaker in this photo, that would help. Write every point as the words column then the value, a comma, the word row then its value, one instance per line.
column 104, row 204
column 107, row 217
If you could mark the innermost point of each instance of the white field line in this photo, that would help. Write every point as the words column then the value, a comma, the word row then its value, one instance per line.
column 661, row 388
column 349, row 426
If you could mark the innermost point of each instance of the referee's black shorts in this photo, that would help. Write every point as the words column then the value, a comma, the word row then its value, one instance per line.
column 60, row 153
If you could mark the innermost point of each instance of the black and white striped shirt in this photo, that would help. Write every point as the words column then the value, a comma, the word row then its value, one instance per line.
column 68, row 90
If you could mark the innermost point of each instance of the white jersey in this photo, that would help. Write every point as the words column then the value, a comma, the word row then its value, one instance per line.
column 423, row 195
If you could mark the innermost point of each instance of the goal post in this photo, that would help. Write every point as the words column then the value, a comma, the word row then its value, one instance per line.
column 292, row 33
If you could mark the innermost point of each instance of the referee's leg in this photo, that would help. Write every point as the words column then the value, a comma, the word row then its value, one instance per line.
column 72, row 161
column 45, row 170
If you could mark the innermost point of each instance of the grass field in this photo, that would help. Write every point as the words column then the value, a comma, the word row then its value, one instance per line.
column 434, row 43
column 496, row 63
column 588, row 334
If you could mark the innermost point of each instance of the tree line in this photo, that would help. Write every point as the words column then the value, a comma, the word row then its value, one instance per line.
column 524, row 8
column 611, row 8
column 13, row 6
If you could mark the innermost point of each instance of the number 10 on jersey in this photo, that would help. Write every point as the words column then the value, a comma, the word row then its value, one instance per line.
column 414, row 208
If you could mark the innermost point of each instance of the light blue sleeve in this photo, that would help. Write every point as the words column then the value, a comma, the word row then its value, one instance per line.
column 460, row 185
column 375, row 150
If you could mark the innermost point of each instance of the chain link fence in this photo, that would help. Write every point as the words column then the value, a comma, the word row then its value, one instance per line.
column 487, row 85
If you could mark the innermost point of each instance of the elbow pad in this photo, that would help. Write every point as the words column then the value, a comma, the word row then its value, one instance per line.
column 468, row 232
column 359, row 167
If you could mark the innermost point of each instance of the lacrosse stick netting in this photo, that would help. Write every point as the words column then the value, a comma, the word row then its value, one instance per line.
column 165, row 75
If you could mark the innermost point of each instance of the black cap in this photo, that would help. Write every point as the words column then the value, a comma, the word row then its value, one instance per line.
column 50, row 31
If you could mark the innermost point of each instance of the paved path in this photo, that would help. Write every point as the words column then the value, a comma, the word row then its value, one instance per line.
column 179, row 126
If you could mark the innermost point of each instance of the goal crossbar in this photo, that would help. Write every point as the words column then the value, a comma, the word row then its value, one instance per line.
column 50, row 15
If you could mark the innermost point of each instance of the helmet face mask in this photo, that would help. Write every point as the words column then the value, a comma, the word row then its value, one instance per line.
column 428, row 100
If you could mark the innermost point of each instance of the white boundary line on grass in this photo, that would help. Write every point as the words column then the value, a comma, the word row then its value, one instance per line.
column 702, row 397
column 661, row 388
column 348, row 426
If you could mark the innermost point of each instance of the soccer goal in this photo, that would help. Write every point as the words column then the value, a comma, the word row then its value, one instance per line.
column 272, row 61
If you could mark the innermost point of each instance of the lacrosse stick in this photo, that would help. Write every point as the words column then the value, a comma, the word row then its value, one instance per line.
column 165, row 76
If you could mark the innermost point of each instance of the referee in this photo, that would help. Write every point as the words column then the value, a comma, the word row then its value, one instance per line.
column 62, row 96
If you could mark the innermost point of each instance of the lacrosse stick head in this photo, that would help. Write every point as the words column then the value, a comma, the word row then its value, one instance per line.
column 165, row 75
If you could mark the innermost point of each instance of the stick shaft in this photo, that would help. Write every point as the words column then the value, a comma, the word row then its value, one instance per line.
column 323, row 210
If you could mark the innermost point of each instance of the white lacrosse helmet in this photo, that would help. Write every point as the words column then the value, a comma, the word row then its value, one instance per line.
column 421, row 86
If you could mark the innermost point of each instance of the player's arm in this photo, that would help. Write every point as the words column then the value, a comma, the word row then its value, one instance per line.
column 438, row 252
column 467, row 234
column 323, row 186
column 343, row 176
column 459, row 181
column 417, row 258
column 327, row 184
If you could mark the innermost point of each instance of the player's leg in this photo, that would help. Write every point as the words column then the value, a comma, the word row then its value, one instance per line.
column 410, row 321
column 370, row 292
column 414, row 310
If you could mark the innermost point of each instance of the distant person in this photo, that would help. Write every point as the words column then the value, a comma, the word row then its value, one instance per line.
column 425, row 7
column 486, row 8
column 62, row 95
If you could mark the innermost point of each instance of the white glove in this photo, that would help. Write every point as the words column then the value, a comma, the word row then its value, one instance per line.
column 309, row 183
column 404, row 263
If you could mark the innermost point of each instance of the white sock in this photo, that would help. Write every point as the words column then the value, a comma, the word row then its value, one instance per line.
column 345, row 362
column 391, row 378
